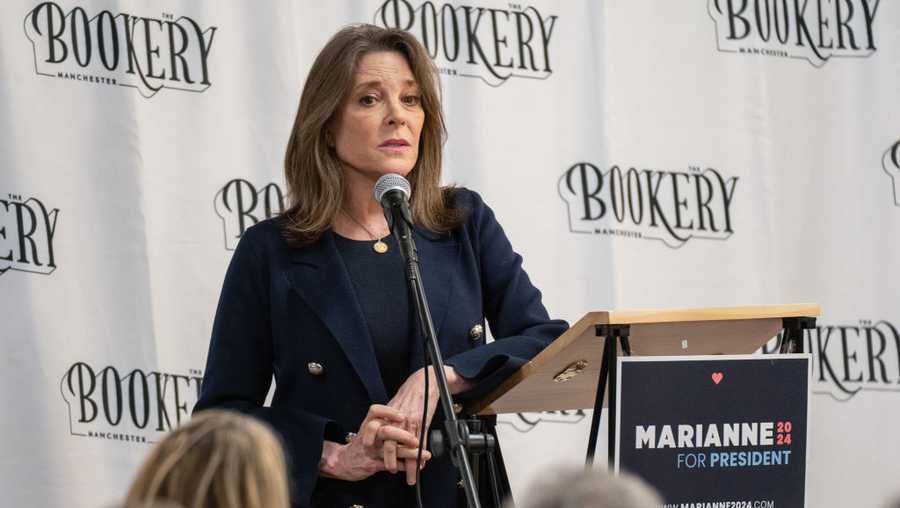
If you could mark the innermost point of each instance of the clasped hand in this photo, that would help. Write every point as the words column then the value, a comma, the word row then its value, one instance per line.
column 381, row 444
column 388, row 438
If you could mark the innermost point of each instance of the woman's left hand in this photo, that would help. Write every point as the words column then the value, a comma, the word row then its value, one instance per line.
column 410, row 399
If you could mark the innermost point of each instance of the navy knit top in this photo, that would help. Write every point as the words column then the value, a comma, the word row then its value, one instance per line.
column 379, row 281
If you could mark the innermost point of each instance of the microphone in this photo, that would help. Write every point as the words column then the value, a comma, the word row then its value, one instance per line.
column 393, row 191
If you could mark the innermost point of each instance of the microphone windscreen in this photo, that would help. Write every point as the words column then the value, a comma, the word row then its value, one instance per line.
column 389, row 182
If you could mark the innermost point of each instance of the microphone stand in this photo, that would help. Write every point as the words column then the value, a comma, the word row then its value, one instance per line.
column 456, row 432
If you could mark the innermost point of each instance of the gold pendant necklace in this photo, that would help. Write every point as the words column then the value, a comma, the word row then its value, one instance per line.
column 379, row 246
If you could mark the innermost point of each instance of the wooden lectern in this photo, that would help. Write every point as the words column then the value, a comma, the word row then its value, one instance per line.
column 575, row 371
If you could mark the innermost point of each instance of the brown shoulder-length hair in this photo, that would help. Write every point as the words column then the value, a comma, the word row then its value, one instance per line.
column 312, row 170
column 218, row 458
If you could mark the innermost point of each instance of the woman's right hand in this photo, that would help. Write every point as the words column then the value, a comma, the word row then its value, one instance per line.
column 382, row 444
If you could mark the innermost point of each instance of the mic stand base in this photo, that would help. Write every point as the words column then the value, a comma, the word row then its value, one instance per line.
column 477, row 442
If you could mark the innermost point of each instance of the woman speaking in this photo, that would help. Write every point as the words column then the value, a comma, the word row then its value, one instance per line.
column 317, row 297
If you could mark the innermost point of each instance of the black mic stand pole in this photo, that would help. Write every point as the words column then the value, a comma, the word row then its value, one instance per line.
column 455, row 431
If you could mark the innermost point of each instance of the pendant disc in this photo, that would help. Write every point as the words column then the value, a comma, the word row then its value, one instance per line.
column 380, row 247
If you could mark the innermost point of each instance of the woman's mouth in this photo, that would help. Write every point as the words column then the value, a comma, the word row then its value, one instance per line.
column 394, row 145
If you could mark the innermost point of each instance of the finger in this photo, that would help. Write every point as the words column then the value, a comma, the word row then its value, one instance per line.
column 411, row 472
column 409, row 455
column 386, row 413
column 402, row 437
column 405, row 453
column 370, row 430
column 390, row 456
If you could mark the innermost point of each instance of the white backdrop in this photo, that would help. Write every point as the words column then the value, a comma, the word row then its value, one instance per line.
column 639, row 154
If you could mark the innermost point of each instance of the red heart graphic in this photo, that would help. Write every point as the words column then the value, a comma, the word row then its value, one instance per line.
column 717, row 377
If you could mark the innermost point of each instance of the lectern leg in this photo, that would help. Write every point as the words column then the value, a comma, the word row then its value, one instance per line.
column 792, row 337
column 611, row 357
column 598, row 402
column 611, row 334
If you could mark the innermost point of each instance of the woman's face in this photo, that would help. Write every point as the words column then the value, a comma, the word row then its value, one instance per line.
column 377, row 128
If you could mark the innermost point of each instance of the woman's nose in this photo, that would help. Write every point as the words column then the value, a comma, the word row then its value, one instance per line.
column 396, row 113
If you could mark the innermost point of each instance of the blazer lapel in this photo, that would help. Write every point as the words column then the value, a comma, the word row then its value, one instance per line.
column 319, row 276
column 438, row 258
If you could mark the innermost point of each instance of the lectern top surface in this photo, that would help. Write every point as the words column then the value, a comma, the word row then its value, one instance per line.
column 624, row 317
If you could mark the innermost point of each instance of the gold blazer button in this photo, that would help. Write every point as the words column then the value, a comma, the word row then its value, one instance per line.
column 476, row 332
column 315, row 369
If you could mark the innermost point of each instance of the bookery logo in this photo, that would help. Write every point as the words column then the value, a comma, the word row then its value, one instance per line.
column 891, row 164
column 127, row 405
column 668, row 206
column 240, row 205
column 27, row 227
column 104, row 48
column 525, row 422
column 848, row 359
column 490, row 44
column 811, row 30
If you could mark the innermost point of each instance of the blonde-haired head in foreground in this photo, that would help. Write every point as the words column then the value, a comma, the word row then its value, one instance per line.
column 218, row 459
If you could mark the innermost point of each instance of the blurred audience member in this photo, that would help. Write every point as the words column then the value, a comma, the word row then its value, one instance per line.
column 151, row 504
column 580, row 488
column 895, row 503
column 218, row 459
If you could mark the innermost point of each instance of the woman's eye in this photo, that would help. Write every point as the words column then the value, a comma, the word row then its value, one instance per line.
column 368, row 100
column 412, row 100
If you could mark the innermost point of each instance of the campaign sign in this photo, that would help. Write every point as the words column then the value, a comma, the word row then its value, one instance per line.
column 716, row 431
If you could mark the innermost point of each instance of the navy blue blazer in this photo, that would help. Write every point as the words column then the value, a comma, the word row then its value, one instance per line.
column 283, row 308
